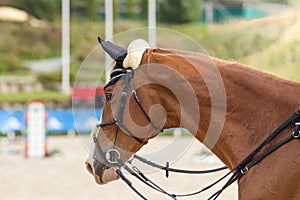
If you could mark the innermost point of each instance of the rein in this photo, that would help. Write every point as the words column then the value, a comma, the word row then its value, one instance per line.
column 113, row 158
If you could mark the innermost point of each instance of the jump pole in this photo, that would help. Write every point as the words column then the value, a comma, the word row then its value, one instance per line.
column 108, row 34
column 152, row 22
column 36, row 133
column 65, row 46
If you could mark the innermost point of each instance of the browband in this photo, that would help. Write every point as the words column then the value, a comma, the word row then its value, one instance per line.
column 116, row 74
column 113, row 80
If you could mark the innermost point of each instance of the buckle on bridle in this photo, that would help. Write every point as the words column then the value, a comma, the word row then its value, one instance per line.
column 244, row 170
column 113, row 156
column 296, row 134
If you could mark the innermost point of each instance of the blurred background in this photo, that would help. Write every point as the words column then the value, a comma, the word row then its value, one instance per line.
column 264, row 34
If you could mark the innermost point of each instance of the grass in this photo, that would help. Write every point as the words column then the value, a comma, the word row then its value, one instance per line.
column 269, row 44
column 231, row 40
column 242, row 41
column 24, row 97
column 282, row 57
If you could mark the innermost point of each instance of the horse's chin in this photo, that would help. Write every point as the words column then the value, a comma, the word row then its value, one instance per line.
column 109, row 175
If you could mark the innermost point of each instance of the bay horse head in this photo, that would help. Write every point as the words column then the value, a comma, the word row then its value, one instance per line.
column 127, row 121
column 151, row 89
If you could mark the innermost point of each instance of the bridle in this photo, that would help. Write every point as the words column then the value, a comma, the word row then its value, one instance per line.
column 127, row 75
column 112, row 156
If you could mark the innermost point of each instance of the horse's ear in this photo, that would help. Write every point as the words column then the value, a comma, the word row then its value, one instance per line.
column 114, row 51
column 135, row 50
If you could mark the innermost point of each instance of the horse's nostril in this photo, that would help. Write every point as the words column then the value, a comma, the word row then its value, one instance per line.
column 89, row 167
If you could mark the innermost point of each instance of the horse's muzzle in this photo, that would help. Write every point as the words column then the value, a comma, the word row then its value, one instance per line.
column 101, row 173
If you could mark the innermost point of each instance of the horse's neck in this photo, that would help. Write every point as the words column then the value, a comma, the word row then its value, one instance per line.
column 257, row 103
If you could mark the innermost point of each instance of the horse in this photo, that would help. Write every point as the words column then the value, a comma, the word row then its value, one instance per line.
column 231, row 117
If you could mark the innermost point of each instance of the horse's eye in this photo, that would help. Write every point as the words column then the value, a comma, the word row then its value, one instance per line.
column 108, row 96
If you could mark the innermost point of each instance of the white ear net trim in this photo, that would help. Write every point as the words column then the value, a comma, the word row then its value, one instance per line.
column 135, row 52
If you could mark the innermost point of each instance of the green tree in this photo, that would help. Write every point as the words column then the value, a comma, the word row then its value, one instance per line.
column 278, row 1
column 130, row 11
column 116, row 9
column 144, row 6
column 91, row 9
column 42, row 9
column 179, row 11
